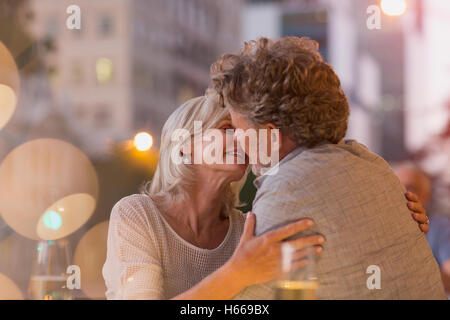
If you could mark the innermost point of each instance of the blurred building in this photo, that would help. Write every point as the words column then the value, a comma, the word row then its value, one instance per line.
column 368, row 62
column 334, row 25
column 428, row 71
column 427, row 75
column 132, row 62
column 397, row 77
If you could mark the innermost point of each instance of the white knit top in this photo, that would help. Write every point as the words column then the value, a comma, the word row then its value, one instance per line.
column 147, row 259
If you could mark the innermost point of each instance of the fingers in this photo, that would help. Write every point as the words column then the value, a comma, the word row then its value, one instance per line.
column 308, row 241
column 299, row 263
column 414, row 203
column 249, row 226
column 317, row 249
column 424, row 227
column 299, row 254
column 411, row 196
column 418, row 212
column 289, row 230
column 300, row 257
column 416, row 207
column 421, row 218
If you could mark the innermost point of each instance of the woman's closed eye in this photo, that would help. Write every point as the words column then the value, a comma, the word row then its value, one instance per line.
column 226, row 126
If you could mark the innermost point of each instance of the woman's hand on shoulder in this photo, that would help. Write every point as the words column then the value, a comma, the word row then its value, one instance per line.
column 418, row 212
column 257, row 259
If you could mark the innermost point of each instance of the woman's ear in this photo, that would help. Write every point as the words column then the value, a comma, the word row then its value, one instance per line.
column 186, row 149
column 185, row 153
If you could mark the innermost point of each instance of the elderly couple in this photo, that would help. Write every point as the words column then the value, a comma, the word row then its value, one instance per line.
column 183, row 238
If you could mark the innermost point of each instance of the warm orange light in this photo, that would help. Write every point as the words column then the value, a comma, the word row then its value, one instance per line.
column 143, row 141
column 393, row 7
column 8, row 102
column 33, row 191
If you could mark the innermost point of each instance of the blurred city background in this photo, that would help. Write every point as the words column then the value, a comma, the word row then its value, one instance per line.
column 72, row 103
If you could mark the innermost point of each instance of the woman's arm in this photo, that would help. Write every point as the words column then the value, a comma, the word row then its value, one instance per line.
column 254, row 261
column 219, row 285
column 132, row 269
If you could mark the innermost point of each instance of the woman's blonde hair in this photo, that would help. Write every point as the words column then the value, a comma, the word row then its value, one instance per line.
column 171, row 181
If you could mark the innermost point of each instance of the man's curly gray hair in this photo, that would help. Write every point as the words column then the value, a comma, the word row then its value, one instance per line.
column 287, row 83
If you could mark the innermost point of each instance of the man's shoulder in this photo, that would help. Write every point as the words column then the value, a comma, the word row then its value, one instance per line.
column 319, row 163
column 330, row 155
column 317, row 160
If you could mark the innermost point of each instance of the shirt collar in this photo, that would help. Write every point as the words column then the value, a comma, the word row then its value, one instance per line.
column 294, row 153
column 259, row 179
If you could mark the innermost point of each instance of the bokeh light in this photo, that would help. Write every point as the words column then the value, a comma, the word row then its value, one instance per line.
column 52, row 220
column 8, row 102
column 90, row 256
column 143, row 141
column 9, row 85
column 43, row 181
column 73, row 210
column 393, row 7
column 9, row 290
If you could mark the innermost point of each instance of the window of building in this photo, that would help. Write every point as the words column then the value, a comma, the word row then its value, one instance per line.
column 140, row 29
column 102, row 117
column 181, row 9
column 191, row 12
column 143, row 77
column 106, row 26
column 104, row 69
column 52, row 27
column 77, row 73
column 202, row 19
column 80, row 112
column 53, row 74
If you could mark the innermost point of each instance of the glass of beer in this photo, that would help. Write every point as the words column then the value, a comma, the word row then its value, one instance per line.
column 296, row 282
column 48, row 276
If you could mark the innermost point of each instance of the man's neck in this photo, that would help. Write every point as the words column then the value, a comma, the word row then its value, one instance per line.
column 287, row 147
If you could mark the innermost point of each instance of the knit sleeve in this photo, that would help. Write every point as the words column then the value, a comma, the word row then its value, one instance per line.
column 133, row 267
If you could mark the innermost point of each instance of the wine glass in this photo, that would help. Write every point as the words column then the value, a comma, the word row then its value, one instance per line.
column 298, row 283
column 48, row 276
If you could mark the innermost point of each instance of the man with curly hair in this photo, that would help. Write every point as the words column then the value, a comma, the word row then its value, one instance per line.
column 352, row 194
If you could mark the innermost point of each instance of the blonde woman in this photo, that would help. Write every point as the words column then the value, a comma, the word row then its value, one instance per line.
column 184, row 239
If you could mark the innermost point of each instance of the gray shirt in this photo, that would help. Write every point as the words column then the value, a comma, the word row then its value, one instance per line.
column 358, row 204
